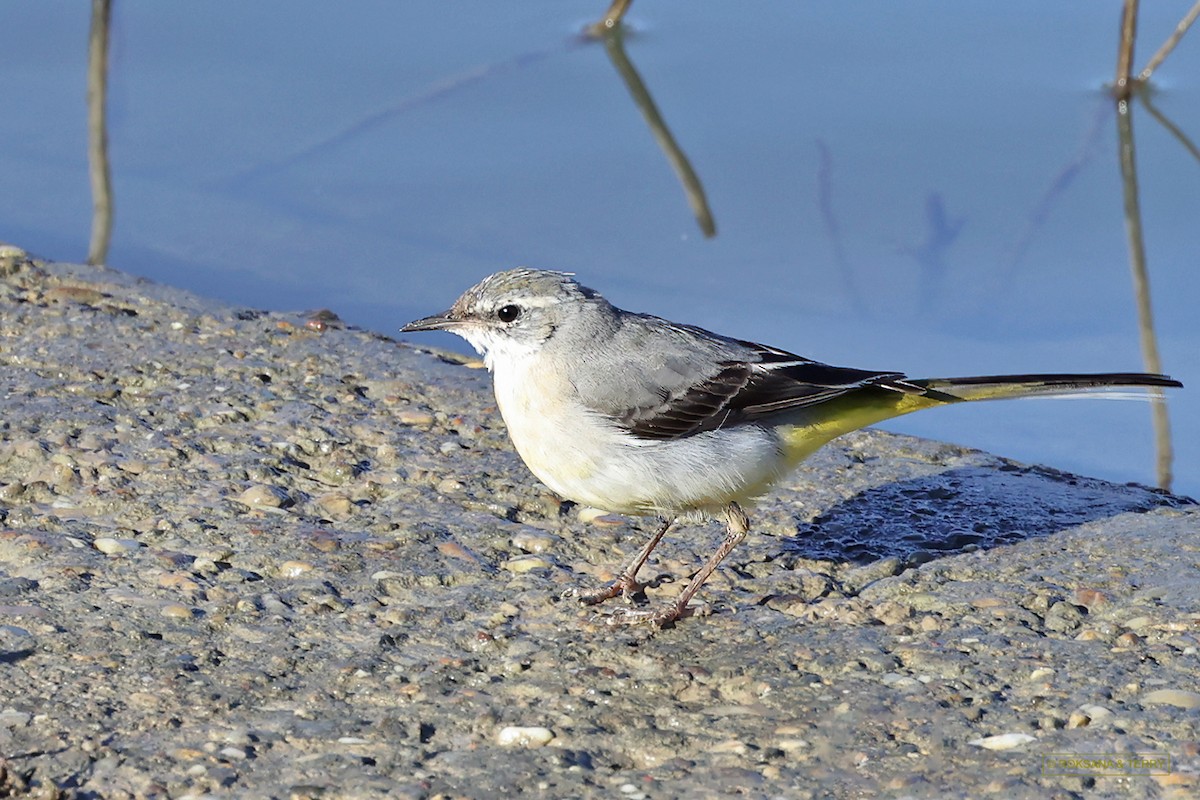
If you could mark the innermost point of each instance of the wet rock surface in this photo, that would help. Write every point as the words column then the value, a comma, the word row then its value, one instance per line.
column 262, row 555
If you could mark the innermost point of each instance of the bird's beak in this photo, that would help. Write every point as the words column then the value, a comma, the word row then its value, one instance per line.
column 437, row 322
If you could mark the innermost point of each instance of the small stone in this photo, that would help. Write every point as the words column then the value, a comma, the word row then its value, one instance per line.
column 524, row 736
column 1002, row 741
column 1041, row 673
column 11, row 718
column 449, row 486
column 263, row 496
column 1086, row 714
column 598, row 516
column 1173, row 697
column 179, row 581
column 523, row 564
column 335, row 505
column 412, row 416
column 85, row 295
column 294, row 569
column 1091, row 599
column 176, row 611
column 535, row 541
column 1137, row 623
column 113, row 547
column 898, row 681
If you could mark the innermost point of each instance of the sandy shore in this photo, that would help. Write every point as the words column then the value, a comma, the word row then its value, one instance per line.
column 260, row 555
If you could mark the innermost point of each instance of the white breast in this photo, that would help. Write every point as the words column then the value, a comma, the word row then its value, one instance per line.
column 585, row 458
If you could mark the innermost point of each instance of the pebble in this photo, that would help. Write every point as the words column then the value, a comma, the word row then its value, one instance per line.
column 598, row 516
column 1092, row 599
column 524, row 736
column 1173, row 697
column 1086, row 714
column 263, row 496
column 11, row 718
column 335, row 505
column 113, row 547
column 176, row 611
column 1003, row 741
column 233, row 753
column 294, row 569
column 410, row 416
column 532, row 540
column 523, row 564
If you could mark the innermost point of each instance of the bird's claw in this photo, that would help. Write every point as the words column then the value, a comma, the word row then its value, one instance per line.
column 627, row 589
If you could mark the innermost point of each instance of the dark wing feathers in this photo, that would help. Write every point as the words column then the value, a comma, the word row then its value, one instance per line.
column 745, row 390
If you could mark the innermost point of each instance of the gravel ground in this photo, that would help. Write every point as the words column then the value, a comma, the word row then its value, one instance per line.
column 261, row 555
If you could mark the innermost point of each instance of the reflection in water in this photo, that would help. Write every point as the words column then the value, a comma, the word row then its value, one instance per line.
column 1145, row 96
column 97, row 94
column 834, row 230
column 1057, row 189
column 930, row 254
column 1141, row 289
column 374, row 119
column 614, row 46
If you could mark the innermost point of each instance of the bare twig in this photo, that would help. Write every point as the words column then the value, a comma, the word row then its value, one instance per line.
column 1123, row 86
column 611, row 18
column 97, row 91
column 1170, row 43
column 1141, row 289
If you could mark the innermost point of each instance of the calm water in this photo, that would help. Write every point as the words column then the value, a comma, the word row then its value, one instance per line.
column 931, row 187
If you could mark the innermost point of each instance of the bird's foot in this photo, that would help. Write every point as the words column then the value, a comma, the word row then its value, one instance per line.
column 624, row 586
column 663, row 617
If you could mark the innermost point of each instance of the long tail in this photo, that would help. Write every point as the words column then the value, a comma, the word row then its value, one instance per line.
column 996, row 387
column 880, row 402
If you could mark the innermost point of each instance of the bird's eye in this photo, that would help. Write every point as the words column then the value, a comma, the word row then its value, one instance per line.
column 508, row 313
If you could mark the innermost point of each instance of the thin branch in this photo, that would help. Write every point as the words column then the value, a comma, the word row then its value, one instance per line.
column 97, row 92
column 1170, row 43
column 1123, row 85
column 611, row 19
column 1141, row 289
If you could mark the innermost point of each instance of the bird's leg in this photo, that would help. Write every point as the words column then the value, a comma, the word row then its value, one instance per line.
column 737, row 525
column 626, row 583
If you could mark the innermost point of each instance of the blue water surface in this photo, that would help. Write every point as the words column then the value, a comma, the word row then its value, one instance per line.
column 932, row 187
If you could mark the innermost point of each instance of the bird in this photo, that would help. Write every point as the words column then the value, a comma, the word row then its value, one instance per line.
column 637, row 415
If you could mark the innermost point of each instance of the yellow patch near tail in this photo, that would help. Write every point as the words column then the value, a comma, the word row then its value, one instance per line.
column 847, row 413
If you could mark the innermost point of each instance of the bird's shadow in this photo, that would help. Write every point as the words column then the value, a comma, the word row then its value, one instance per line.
column 961, row 509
